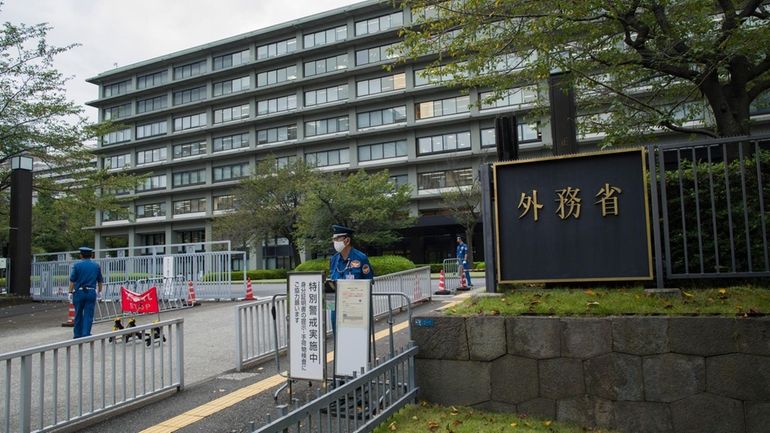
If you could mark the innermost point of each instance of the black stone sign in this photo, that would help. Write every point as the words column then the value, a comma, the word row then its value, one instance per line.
column 578, row 218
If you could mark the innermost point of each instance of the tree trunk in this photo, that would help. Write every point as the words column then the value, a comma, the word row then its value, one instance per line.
column 469, row 241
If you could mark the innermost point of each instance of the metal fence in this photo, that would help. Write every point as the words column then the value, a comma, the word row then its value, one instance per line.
column 66, row 383
column 451, row 274
column 359, row 405
column 172, row 295
column 254, row 332
column 709, row 208
column 210, row 271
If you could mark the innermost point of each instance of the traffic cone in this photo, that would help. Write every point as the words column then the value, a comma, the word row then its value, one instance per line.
column 463, row 282
column 249, row 291
column 70, row 316
column 191, row 294
column 442, row 286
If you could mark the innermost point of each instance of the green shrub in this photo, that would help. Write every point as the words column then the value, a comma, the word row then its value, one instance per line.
column 261, row 274
column 435, row 268
column 480, row 266
column 382, row 265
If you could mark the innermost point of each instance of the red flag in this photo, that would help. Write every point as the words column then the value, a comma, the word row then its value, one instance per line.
column 146, row 302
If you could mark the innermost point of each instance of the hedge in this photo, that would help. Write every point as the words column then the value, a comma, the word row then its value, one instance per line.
column 381, row 264
column 261, row 274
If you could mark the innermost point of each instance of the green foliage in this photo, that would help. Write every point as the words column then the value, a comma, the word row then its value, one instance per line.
column 260, row 274
column 370, row 204
column 381, row 265
column 621, row 301
column 649, row 65
column 713, row 222
column 435, row 268
column 480, row 266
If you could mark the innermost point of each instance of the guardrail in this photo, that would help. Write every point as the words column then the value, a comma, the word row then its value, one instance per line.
column 253, row 321
column 67, row 383
column 451, row 274
column 172, row 295
column 359, row 405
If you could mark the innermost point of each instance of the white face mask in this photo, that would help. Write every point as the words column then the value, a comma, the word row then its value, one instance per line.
column 339, row 246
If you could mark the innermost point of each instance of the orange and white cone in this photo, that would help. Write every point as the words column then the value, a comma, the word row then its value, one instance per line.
column 249, row 291
column 191, row 294
column 442, row 285
column 463, row 281
column 70, row 316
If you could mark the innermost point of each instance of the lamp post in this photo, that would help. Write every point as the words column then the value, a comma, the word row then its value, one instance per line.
column 20, row 232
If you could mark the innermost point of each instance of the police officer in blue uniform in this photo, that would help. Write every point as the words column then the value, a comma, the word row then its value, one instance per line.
column 462, row 259
column 348, row 263
column 85, row 281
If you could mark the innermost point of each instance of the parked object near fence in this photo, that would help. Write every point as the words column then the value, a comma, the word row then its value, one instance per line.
column 359, row 405
column 71, row 382
column 170, row 292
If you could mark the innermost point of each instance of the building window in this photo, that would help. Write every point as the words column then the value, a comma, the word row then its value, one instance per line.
column 151, row 80
column 116, row 89
column 512, row 98
column 151, row 104
column 323, row 66
column 116, row 161
column 284, row 161
column 117, row 112
column 328, row 157
column 445, row 179
column 190, row 70
column 231, row 172
column 277, row 49
column 231, row 114
column 189, row 149
column 378, row 54
column 399, row 179
column 276, row 76
column 114, row 137
column 326, row 126
column 232, row 86
column 277, row 135
column 231, row 60
column 324, row 37
column 444, row 143
column 224, row 202
column 151, row 129
column 191, row 177
column 373, row 152
column 379, row 24
column 276, row 105
column 528, row 133
column 121, row 215
column 151, row 210
column 230, row 142
column 152, row 183
column 328, row 94
column 190, row 122
column 387, row 116
column 193, row 205
column 190, row 95
column 384, row 84
column 149, row 156
column 441, row 75
column 442, row 107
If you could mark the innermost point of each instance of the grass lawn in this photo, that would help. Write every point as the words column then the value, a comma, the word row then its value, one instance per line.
column 729, row 301
column 429, row 418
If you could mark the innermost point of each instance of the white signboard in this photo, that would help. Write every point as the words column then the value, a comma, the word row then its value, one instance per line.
column 307, row 338
column 353, row 318
column 168, row 267
column 2, row 263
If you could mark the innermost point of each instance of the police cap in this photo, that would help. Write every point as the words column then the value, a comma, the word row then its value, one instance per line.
column 338, row 230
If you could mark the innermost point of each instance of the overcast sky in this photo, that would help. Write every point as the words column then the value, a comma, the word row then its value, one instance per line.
column 123, row 32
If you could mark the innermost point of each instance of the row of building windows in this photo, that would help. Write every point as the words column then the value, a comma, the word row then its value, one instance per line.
column 274, row 49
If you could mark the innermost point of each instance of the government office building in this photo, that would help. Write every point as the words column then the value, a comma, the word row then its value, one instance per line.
column 199, row 120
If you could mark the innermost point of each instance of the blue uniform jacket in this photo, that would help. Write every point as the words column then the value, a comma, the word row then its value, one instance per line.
column 86, row 273
column 356, row 267
column 462, row 251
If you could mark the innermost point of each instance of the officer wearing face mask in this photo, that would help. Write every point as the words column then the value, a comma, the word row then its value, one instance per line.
column 348, row 263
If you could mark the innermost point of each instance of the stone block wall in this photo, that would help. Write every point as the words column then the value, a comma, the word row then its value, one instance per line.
column 633, row 374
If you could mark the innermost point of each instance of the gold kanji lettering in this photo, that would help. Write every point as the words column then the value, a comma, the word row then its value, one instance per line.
column 569, row 202
column 608, row 199
column 529, row 202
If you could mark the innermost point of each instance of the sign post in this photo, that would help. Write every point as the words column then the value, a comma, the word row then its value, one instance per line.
column 307, row 331
column 351, row 341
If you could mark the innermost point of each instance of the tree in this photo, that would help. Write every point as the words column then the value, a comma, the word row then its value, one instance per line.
column 465, row 204
column 268, row 205
column 370, row 204
column 638, row 65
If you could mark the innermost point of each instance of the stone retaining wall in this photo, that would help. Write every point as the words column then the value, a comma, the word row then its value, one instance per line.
column 633, row 374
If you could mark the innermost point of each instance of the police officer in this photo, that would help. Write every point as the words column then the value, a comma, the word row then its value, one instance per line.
column 462, row 259
column 348, row 263
column 85, row 281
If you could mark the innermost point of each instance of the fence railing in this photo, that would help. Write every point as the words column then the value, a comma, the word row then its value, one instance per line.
column 210, row 271
column 65, row 383
column 710, row 208
column 451, row 274
column 254, row 330
column 359, row 405
column 172, row 295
